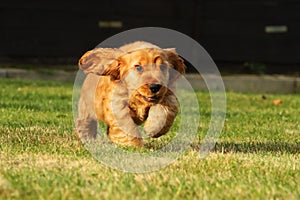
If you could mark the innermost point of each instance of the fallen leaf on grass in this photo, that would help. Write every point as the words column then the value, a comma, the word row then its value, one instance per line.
column 277, row 102
column 292, row 132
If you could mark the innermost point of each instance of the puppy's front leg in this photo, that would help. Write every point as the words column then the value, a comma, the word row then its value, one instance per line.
column 125, row 136
column 122, row 129
column 161, row 117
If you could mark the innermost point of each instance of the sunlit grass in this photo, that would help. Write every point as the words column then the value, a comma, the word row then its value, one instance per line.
column 256, row 157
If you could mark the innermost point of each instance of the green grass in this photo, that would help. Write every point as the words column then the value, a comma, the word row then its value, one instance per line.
column 256, row 157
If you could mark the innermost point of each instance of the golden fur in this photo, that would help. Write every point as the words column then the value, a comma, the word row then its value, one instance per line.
column 126, row 87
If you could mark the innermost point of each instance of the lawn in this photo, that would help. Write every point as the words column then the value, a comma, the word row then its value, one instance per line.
column 256, row 157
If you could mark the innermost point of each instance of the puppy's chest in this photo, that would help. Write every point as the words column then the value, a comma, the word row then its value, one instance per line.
column 138, row 112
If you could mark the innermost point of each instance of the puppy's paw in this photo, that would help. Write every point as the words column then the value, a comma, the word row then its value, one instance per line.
column 154, row 126
column 118, row 136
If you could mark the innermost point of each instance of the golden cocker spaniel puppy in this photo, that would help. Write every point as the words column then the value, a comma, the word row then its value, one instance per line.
column 126, row 87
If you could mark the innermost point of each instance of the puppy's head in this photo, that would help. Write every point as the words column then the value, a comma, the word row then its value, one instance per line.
column 147, row 73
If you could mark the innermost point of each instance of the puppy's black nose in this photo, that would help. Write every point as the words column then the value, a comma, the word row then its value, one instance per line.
column 154, row 87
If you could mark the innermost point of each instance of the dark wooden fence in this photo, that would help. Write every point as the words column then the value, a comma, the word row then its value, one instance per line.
column 230, row 30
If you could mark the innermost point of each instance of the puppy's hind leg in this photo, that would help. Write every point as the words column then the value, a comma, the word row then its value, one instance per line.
column 86, row 123
column 86, row 129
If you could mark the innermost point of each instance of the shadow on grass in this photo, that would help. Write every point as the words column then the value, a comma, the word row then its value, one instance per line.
column 256, row 147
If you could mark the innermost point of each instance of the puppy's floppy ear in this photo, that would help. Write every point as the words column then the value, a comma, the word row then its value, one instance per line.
column 176, row 62
column 101, row 61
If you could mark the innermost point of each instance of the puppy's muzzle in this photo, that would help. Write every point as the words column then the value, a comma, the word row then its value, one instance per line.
column 154, row 88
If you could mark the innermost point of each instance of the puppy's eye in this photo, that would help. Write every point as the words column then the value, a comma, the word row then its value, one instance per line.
column 139, row 68
column 163, row 67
